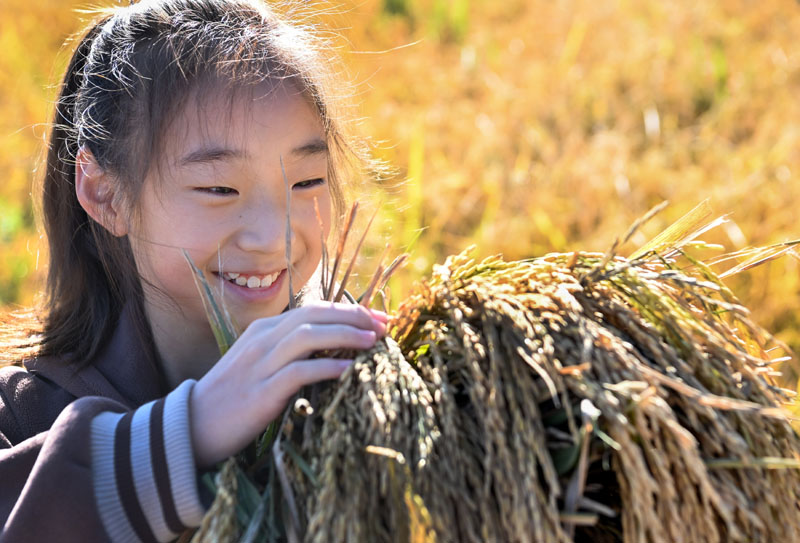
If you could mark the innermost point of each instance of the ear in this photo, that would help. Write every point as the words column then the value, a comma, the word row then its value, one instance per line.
column 97, row 195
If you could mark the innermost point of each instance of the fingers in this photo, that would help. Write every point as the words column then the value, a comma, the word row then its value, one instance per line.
column 378, row 315
column 269, row 363
column 308, row 338
column 269, row 344
column 305, row 372
column 329, row 313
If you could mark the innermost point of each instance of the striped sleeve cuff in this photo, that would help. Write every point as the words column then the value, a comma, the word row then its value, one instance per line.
column 145, row 481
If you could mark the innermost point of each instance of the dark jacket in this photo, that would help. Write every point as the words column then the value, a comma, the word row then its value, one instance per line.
column 99, row 454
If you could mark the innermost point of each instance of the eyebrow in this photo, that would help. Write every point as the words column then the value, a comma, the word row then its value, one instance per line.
column 215, row 153
column 210, row 154
column 314, row 147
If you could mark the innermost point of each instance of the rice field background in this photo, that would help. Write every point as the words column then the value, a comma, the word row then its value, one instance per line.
column 522, row 126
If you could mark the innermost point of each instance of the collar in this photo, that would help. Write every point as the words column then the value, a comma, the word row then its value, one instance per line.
column 120, row 371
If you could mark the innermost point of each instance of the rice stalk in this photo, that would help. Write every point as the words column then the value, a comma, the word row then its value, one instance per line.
column 243, row 495
column 570, row 397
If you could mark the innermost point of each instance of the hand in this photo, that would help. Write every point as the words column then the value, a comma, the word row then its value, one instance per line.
column 250, row 386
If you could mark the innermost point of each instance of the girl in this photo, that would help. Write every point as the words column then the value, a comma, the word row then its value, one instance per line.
column 180, row 125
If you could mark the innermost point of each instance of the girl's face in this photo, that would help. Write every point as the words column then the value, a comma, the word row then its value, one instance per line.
column 220, row 194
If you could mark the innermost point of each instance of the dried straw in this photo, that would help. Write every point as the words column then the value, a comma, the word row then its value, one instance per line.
column 572, row 397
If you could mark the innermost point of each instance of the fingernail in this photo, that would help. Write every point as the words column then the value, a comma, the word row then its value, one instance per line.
column 379, row 315
column 380, row 328
column 344, row 364
column 369, row 335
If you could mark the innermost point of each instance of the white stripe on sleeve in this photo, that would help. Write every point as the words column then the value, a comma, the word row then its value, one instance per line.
column 143, row 478
column 180, row 455
column 104, row 479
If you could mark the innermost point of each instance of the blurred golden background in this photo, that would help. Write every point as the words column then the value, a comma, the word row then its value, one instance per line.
column 522, row 126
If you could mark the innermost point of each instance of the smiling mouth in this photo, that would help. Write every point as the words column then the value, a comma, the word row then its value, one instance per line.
column 251, row 281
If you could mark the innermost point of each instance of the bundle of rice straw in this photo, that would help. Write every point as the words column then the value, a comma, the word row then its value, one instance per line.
column 572, row 397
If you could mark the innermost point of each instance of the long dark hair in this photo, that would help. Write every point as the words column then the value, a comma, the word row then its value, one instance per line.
column 128, row 76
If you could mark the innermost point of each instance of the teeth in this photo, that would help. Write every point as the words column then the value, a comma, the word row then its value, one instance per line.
column 252, row 281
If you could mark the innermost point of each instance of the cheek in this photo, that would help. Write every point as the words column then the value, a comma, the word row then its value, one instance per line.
column 142, row 253
column 326, row 213
column 316, row 214
column 158, row 246
column 157, row 265
column 311, row 223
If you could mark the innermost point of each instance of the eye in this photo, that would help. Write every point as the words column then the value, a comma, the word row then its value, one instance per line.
column 309, row 183
column 222, row 191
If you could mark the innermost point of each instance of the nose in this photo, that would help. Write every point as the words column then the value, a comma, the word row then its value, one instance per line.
column 263, row 225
